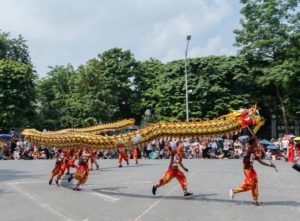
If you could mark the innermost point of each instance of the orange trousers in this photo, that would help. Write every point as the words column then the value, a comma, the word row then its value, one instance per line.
column 170, row 174
column 59, row 169
column 250, row 183
column 71, row 162
column 135, row 155
column 123, row 156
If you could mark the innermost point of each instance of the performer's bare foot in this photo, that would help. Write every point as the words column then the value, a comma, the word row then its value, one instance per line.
column 154, row 188
column 187, row 195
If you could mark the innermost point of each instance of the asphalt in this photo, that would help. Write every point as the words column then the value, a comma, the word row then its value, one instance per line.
column 125, row 193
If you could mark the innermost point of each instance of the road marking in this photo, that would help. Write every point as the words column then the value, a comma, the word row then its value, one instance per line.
column 45, row 206
column 158, row 201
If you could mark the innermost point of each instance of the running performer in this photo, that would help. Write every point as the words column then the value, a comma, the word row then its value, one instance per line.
column 82, row 171
column 252, row 153
column 173, row 171
column 122, row 154
column 60, row 166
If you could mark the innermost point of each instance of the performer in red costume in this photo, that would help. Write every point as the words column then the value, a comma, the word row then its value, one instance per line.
column 82, row 170
column 173, row 171
column 93, row 160
column 253, row 152
column 122, row 154
column 60, row 166
column 135, row 155
column 291, row 151
column 71, row 160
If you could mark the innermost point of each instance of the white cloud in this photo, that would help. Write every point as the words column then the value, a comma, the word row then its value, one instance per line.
column 74, row 31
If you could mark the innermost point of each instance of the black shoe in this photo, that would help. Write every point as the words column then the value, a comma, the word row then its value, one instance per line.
column 56, row 182
column 76, row 188
column 257, row 203
column 120, row 165
column 127, row 163
column 154, row 188
column 97, row 167
column 50, row 182
column 187, row 195
column 68, row 173
column 70, row 178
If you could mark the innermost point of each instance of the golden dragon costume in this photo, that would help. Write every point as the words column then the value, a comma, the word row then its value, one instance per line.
column 226, row 125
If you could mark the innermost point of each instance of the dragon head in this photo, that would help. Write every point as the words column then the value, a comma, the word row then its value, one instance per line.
column 249, row 117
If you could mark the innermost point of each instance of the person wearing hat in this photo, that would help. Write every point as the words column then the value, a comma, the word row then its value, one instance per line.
column 173, row 171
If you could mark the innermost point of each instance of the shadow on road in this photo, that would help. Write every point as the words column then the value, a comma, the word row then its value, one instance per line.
column 11, row 174
column 197, row 197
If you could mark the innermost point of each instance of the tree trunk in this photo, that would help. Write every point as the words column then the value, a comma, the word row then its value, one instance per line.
column 281, row 102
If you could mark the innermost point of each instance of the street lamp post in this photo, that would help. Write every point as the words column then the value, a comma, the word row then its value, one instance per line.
column 188, row 38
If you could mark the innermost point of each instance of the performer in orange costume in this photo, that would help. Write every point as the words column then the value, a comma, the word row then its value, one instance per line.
column 82, row 170
column 60, row 166
column 122, row 154
column 71, row 160
column 253, row 152
column 93, row 159
column 173, row 171
column 135, row 155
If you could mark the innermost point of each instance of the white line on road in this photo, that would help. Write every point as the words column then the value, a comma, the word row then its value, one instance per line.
column 45, row 206
column 158, row 201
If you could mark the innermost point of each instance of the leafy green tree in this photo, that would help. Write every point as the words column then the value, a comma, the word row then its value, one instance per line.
column 52, row 94
column 17, row 94
column 218, row 83
column 269, row 36
column 17, row 86
column 14, row 48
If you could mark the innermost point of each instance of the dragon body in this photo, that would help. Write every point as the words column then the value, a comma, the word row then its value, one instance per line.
column 226, row 125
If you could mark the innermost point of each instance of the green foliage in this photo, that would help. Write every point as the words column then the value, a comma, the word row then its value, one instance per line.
column 269, row 39
column 17, row 94
column 216, row 84
column 17, row 87
column 13, row 48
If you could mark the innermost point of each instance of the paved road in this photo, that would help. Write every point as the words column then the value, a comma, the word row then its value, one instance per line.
column 125, row 193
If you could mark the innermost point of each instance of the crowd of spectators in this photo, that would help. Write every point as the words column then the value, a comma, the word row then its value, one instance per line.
column 219, row 148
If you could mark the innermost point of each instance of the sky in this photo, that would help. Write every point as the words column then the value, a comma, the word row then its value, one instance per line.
column 59, row 32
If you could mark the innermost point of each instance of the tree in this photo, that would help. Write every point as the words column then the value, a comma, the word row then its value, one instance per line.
column 14, row 48
column 269, row 34
column 218, row 83
column 17, row 86
column 52, row 94
column 17, row 94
